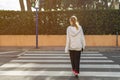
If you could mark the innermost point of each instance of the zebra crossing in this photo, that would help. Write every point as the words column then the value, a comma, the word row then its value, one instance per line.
column 57, row 63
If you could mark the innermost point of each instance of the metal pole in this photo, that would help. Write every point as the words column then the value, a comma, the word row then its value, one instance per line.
column 36, row 27
column 116, row 39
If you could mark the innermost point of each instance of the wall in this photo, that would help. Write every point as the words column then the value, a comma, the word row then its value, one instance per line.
column 55, row 40
column 119, row 40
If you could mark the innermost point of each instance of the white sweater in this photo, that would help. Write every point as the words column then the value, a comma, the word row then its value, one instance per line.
column 74, row 39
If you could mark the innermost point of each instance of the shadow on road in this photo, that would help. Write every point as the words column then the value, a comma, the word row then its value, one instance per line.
column 74, row 78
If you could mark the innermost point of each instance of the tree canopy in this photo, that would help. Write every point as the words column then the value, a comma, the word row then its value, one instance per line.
column 49, row 5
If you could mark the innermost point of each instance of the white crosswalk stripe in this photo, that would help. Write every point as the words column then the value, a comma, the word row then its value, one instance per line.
column 59, row 52
column 88, row 61
column 58, row 73
column 99, row 61
column 31, row 65
column 39, row 57
column 93, row 54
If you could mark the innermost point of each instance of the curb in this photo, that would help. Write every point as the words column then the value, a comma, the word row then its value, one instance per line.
column 59, row 48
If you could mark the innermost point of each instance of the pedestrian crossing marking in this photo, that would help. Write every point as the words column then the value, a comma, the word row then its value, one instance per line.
column 60, row 54
column 39, row 57
column 31, row 65
column 59, row 73
column 92, row 61
column 28, row 60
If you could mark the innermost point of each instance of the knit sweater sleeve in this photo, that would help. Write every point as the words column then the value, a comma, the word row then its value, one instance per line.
column 83, row 39
column 67, row 41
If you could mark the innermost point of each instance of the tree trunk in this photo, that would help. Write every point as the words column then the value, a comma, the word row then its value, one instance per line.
column 112, row 4
column 28, row 5
column 106, row 4
column 22, row 5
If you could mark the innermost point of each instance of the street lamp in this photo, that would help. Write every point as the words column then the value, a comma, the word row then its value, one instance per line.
column 35, row 5
column 117, row 34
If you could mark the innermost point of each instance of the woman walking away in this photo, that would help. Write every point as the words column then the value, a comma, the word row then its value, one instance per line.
column 75, row 43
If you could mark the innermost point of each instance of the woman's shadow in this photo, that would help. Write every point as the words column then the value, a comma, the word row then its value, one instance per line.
column 74, row 78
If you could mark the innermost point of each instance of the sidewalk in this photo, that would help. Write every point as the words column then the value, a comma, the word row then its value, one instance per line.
column 86, row 49
column 60, row 48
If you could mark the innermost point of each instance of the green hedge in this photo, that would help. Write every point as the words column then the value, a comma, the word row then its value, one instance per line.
column 94, row 22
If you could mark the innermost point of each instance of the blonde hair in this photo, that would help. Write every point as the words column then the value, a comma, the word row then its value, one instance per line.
column 74, row 21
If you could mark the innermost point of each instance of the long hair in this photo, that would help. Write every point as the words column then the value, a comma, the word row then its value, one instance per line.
column 74, row 22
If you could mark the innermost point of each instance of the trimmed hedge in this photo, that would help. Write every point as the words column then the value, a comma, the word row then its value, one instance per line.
column 94, row 22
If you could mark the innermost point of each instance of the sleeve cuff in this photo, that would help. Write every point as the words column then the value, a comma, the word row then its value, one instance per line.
column 66, row 50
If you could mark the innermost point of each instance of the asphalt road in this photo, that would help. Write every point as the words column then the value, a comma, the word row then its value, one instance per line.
column 26, row 64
